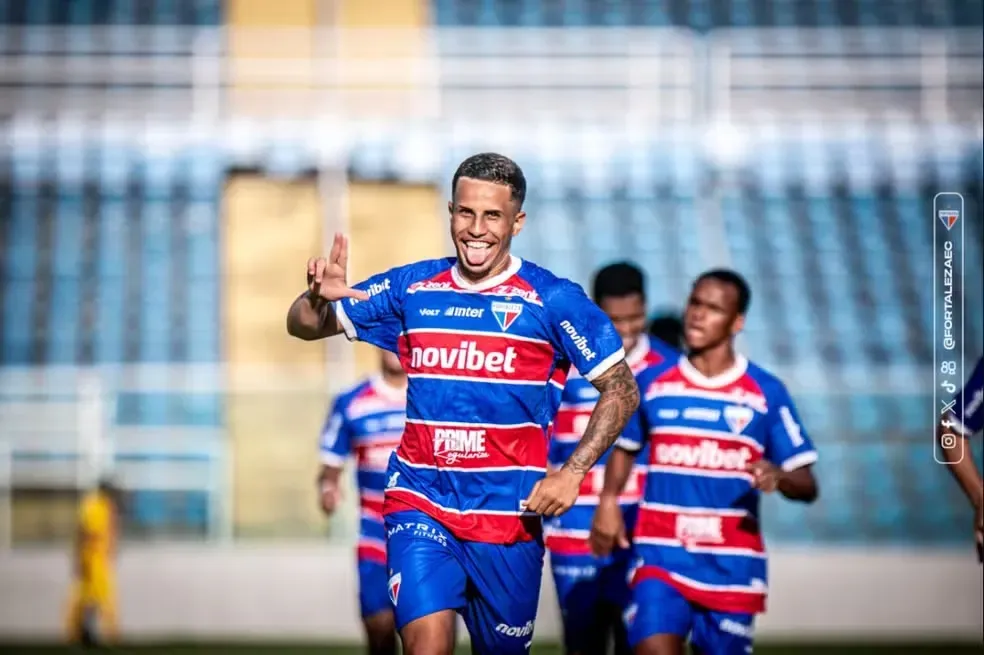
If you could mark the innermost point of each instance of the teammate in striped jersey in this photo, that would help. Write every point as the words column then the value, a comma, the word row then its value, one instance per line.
column 592, row 591
column 966, row 419
column 487, row 341
column 720, row 430
column 367, row 421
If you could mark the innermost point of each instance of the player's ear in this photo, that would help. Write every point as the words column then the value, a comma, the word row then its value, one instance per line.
column 518, row 222
column 450, row 207
column 738, row 325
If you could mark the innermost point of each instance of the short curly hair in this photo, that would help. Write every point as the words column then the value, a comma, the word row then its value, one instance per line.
column 496, row 168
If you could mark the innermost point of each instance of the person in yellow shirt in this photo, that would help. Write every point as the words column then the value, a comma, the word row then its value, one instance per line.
column 92, row 615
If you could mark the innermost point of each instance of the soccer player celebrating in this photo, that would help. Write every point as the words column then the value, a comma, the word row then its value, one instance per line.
column 367, row 420
column 593, row 591
column 966, row 419
column 92, row 607
column 487, row 341
column 720, row 430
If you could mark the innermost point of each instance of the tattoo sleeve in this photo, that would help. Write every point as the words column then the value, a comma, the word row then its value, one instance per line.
column 618, row 400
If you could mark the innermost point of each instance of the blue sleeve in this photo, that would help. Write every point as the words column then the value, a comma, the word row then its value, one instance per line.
column 633, row 437
column 968, row 413
column 336, row 438
column 787, row 445
column 378, row 320
column 581, row 331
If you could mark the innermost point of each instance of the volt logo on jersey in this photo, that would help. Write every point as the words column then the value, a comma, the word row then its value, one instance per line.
column 738, row 417
column 394, row 588
column 506, row 313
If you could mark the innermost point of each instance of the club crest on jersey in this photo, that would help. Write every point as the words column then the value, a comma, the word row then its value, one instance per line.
column 738, row 417
column 949, row 217
column 394, row 588
column 506, row 313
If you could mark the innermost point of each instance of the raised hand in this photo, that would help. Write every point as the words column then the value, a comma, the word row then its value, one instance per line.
column 327, row 277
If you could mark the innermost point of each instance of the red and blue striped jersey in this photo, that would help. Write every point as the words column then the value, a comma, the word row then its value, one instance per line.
column 968, row 410
column 568, row 534
column 486, row 365
column 698, row 522
column 366, row 421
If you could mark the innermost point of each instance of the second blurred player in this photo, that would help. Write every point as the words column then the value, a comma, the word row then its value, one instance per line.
column 593, row 591
column 367, row 421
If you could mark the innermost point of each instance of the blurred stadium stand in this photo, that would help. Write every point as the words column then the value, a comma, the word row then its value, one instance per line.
column 124, row 123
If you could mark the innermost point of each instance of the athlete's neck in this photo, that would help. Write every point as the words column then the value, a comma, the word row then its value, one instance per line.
column 713, row 361
column 500, row 266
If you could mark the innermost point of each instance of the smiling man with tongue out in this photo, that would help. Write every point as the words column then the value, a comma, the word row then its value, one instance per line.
column 487, row 340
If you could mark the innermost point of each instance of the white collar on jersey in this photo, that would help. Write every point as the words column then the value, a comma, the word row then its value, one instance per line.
column 719, row 380
column 386, row 390
column 638, row 352
column 514, row 264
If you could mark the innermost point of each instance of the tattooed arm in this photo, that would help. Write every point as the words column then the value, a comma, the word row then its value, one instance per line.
column 557, row 492
column 618, row 401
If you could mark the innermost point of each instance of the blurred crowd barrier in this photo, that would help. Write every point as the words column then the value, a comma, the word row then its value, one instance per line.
column 162, row 186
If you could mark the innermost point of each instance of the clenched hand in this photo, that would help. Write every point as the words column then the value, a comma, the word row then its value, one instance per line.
column 554, row 494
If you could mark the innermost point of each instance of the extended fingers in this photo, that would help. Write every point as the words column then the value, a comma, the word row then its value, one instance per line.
column 342, row 259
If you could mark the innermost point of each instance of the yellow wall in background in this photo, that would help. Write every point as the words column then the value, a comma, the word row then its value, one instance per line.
column 271, row 228
column 391, row 13
column 261, row 32
column 390, row 225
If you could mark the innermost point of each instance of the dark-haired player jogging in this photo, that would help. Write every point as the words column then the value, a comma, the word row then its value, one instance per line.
column 592, row 591
column 367, row 421
column 966, row 419
column 720, row 430
column 487, row 340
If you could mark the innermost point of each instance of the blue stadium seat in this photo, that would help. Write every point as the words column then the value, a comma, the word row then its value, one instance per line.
column 66, row 263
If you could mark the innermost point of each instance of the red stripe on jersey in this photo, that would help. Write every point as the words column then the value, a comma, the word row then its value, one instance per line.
column 560, row 544
column 720, row 599
column 374, row 455
column 470, row 526
column 559, row 375
column 571, row 422
column 372, row 551
column 701, row 452
column 371, row 502
column 700, row 530
column 473, row 446
column 476, row 356
column 594, row 483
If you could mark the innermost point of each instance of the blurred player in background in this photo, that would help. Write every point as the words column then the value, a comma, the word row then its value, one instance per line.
column 668, row 328
column 720, row 430
column 592, row 591
column 487, row 340
column 92, row 615
column 966, row 419
column 367, row 421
